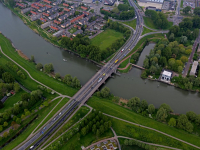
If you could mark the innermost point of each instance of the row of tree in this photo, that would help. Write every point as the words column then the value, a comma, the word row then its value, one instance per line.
column 138, row 143
column 16, row 69
column 158, row 18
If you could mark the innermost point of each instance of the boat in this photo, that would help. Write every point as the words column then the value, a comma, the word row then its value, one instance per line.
column 64, row 60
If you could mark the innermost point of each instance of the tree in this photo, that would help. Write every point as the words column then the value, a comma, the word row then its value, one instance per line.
column 101, row 129
column 1, row 104
column 126, row 142
column 184, row 124
column 187, row 9
column 48, row 68
column 161, row 114
column 7, row 77
column 25, row 97
column 116, row 99
column 188, row 51
column 184, row 59
column 152, row 69
column 171, row 37
column 5, row 134
column 134, row 102
column 78, row 136
column 39, row 66
column 143, row 105
column 146, row 63
column 32, row 58
column 172, row 122
column 16, row 87
column 197, row 119
column 6, row 116
column 191, row 115
column 11, row 3
column 196, row 22
column 105, row 92
column 180, row 68
column 5, row 124
column 163, row 61
column 166, row 107
column 183, row 39
column 123, row 7
column 97, row 134
column 57, row 76
column 83, row 131
column 67, row 79
column 197, row 11
column 151, row 108
column 1, row 128
column 11, row 131
column 94, row 128
column 171, row 62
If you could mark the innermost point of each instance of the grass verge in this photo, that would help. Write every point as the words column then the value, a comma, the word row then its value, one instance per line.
column 124, row 63
column 125, row 70
column 110, row 108
column 131, row 23
column 146, row 30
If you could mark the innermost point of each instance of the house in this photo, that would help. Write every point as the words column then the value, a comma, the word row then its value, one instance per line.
column 77, row 18
column 35, row 6
column 66, row 24
column 166, row 76
column 58, row 2
column 45, row 25
column 151, row 8
column 77, row 32
column 66, row 9
column 59, row 33
column 38, row 4
column 97, row 27
column 45, row 14
column 79, row 27
column 53, row 16
column 74, row 6
column 57, row 22
column 82, row 22
column 20, row 5
column 63, row 17
column 43, row 20
column 33, row 13
column 86, row 13
column 194, row 68
column 42, row 9
column 54, row 28
column 61, row 13
column 46, row 1
column 54, row 9
column 109, row 2
column 64, row 4
column 84, row 8
column 35, row 17
column 106, row 10
column 23, row 11
column 48, row 6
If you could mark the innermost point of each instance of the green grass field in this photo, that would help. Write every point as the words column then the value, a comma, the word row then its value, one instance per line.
column 131, row 23
column 110, row 108
column 106, row 38
column 125, row 70
column 56, row 109
column 30, row 67
column 72, row 30
column 124, row 63
column 12, row 100
column 41, row 115
column 146, row 30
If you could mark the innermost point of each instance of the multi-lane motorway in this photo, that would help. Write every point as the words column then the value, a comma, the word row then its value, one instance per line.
column 88, row 89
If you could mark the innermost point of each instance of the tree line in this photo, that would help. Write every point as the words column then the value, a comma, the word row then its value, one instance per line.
column 82, row 45
column 168, row 55
column 159, row 19
column 121, row 12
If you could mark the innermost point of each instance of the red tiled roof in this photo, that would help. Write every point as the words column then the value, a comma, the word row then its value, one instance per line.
column 79, row 27
column 85, row 12
column 57, row 22
column 34, row 6
column 45, row 14
column 84, row 8
column 54, row 28
column 65, row 9
column 49, row 2
column 77, row 18
column 60, row 13
column 21, row 5
column 64, row 36
column 33, row 12
column 48, row 6
column 42, row 19
column 106, row 10
column 65, row 5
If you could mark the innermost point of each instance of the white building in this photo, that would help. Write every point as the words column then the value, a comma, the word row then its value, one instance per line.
column 166, row 76
column 45, row 25
column 194, row 68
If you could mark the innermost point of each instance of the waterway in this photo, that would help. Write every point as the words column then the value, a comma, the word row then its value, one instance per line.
column 126, row 85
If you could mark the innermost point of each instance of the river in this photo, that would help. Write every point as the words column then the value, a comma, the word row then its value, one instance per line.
column 126, row 85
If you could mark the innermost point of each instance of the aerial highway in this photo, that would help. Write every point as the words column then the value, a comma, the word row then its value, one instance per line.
column 88, row 89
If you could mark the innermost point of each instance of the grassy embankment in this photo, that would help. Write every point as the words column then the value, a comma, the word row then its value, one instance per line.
column 110, row 108
column 56, row 109
column 30, row 67
column 146, row 30
column 124, row 63
column 41, row 115
column 78, row 115
column 181, row 3
column 106, row 38
column 149, row 23
column 131, row 23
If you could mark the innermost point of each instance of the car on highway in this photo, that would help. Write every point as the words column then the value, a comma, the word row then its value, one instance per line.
column 99, row 80
column 104, row 74
column 60, row 113
column 122, row 50
column 116, row 61
column 129, row 49
column 31, row 147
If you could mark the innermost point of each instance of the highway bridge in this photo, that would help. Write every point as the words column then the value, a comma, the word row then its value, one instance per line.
column 88, row 89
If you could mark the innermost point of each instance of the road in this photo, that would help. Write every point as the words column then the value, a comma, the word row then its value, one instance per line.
column 177, row 18
column 89, row 88
column 190, row 59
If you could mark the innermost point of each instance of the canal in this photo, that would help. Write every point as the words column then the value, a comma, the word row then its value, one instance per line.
column 126, row 85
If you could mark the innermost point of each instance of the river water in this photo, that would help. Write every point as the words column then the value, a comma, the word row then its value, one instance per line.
column 126, row 85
